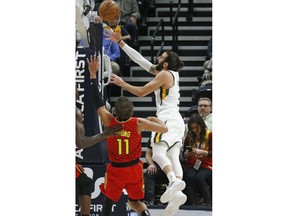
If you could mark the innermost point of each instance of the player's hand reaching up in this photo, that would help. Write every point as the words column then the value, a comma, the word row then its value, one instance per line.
column 111, row 35
column 93, row 65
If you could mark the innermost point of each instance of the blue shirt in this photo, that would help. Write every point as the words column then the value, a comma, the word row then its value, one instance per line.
column 111, row 49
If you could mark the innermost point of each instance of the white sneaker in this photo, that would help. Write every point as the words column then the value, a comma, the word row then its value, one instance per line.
column 173, row 187
column 173, row 206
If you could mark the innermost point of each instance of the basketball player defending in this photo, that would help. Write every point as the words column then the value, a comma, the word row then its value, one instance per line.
column 166, row 146
column 83, row 182
column 125, row 149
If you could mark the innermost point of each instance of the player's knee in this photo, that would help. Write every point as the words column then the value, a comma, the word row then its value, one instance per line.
column 158, row 153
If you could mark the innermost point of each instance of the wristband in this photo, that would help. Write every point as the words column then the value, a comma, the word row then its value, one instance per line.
column 119, row 41
column 95, row 91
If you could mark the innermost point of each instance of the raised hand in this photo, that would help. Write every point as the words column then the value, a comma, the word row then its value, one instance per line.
column 111, row 35
column 93, row 65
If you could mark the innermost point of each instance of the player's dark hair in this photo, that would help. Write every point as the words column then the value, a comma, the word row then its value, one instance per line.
column 123, row 108
column 174, row 61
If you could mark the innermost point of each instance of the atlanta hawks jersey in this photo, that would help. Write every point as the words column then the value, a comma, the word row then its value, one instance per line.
column 126, row 145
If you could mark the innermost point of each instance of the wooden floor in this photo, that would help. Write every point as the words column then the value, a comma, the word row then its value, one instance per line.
column 184, row 211
column 181, row 212
column 158, row 212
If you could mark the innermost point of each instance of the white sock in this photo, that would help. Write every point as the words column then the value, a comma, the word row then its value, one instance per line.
column 171, row 176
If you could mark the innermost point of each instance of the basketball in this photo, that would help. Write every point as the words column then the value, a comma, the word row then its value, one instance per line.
column 109, row 10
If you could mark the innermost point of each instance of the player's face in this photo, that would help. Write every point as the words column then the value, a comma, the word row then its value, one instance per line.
column 161, row 60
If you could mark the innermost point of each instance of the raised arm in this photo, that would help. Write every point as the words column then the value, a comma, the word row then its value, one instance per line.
column 105, row 115
column 132, row 53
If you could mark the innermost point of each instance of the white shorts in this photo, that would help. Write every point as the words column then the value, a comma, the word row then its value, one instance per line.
column 176, row 128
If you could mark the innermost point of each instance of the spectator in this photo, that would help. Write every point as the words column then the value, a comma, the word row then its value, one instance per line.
column 205, row 111
column 111, row 49
column 153, row 175
column 130, row 15
column 144, row 6
column 197, row 168
column 116, row 27
column 207, row 66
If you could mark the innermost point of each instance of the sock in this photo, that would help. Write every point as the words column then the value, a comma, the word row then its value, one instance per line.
column 145, row 213
column 171, row 176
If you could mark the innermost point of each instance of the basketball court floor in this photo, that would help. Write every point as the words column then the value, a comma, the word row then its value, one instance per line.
column 184, row 211
column 158, row 212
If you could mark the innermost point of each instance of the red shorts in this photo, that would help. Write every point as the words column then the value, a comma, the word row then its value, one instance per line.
column 78, row 169
column 119, row 178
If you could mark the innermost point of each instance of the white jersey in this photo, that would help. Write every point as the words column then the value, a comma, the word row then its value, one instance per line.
column 168, row 99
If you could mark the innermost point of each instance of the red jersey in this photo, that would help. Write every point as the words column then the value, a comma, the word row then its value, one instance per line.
column 126, row 146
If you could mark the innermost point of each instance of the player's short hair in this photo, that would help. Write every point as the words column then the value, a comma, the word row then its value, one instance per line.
column 123, row 108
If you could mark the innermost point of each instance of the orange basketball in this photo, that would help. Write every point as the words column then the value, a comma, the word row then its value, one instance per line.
column 109, row 10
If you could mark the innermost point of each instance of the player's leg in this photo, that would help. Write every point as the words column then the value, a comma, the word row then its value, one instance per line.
column 179, row 197
column 175, row 184
column 139, row 207
column 85, row 186
column 111, row 188
column 107, row 206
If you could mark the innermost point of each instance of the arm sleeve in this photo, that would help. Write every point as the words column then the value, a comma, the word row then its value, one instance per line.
column 95, row 91
column 137, row 57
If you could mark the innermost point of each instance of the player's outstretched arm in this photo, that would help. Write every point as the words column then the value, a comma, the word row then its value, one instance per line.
column 152, row 124
column 132, row 53
column 83, row 141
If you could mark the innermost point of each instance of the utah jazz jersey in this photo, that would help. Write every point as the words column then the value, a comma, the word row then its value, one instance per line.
column 168, row 99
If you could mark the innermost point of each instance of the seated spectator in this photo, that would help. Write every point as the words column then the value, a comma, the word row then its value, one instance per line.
column 144, row 6
column 112, row 50
column 130, row 15
column 153, row 175
column 197, row 167
column 205, row 111
column 116, row 27
column 207, row 66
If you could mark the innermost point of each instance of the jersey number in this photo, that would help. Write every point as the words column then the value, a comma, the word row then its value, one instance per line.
column 120, row 144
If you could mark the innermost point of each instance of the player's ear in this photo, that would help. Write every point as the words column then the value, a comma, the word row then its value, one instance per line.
column 165, row 64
